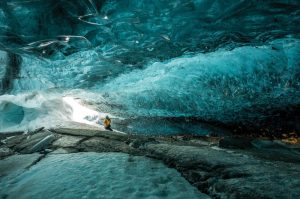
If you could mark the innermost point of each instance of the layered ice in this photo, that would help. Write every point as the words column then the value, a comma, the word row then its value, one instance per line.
column 232, row 62
column 222, row 86
column 92, row 175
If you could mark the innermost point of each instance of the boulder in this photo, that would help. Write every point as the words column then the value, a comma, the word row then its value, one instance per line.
column 41, row 145
column 91, row 133
column 35, row 142
column 99, row 144
column 67, row 141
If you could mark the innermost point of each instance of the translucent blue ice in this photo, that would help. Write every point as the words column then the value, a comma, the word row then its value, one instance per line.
column 225, row 61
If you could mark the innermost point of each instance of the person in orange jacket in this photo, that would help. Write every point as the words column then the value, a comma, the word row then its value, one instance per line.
column 106, row 123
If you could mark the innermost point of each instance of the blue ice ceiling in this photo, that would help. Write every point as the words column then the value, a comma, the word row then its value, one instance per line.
column 226, row 62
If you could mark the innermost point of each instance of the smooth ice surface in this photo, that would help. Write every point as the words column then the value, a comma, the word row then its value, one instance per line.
column 92, row 175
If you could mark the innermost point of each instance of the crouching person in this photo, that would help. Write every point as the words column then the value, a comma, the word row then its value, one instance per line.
column 106, row 123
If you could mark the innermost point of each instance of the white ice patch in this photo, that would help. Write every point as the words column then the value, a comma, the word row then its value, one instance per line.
column 29, row 111
column 81, row 113
column 92, row 175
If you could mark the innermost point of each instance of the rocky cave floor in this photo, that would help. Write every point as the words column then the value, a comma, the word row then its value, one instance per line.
column 221, row 167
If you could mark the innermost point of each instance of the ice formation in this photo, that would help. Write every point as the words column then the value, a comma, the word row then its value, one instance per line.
column 229, row 62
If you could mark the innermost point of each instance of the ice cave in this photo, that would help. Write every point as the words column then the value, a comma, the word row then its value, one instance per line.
column 149, row 99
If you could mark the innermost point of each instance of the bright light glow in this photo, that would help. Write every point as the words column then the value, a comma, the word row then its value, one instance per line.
column 83, row 114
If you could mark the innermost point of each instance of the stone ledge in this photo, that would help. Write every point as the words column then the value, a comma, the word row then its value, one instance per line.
column 221, row 173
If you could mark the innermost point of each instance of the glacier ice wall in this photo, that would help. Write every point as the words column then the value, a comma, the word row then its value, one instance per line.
column 221, row 85
column 174, row 63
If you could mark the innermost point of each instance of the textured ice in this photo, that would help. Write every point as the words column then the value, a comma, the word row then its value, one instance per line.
column 92, row 175
column 223, row 86
column 232, row 61
column 220, row 86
